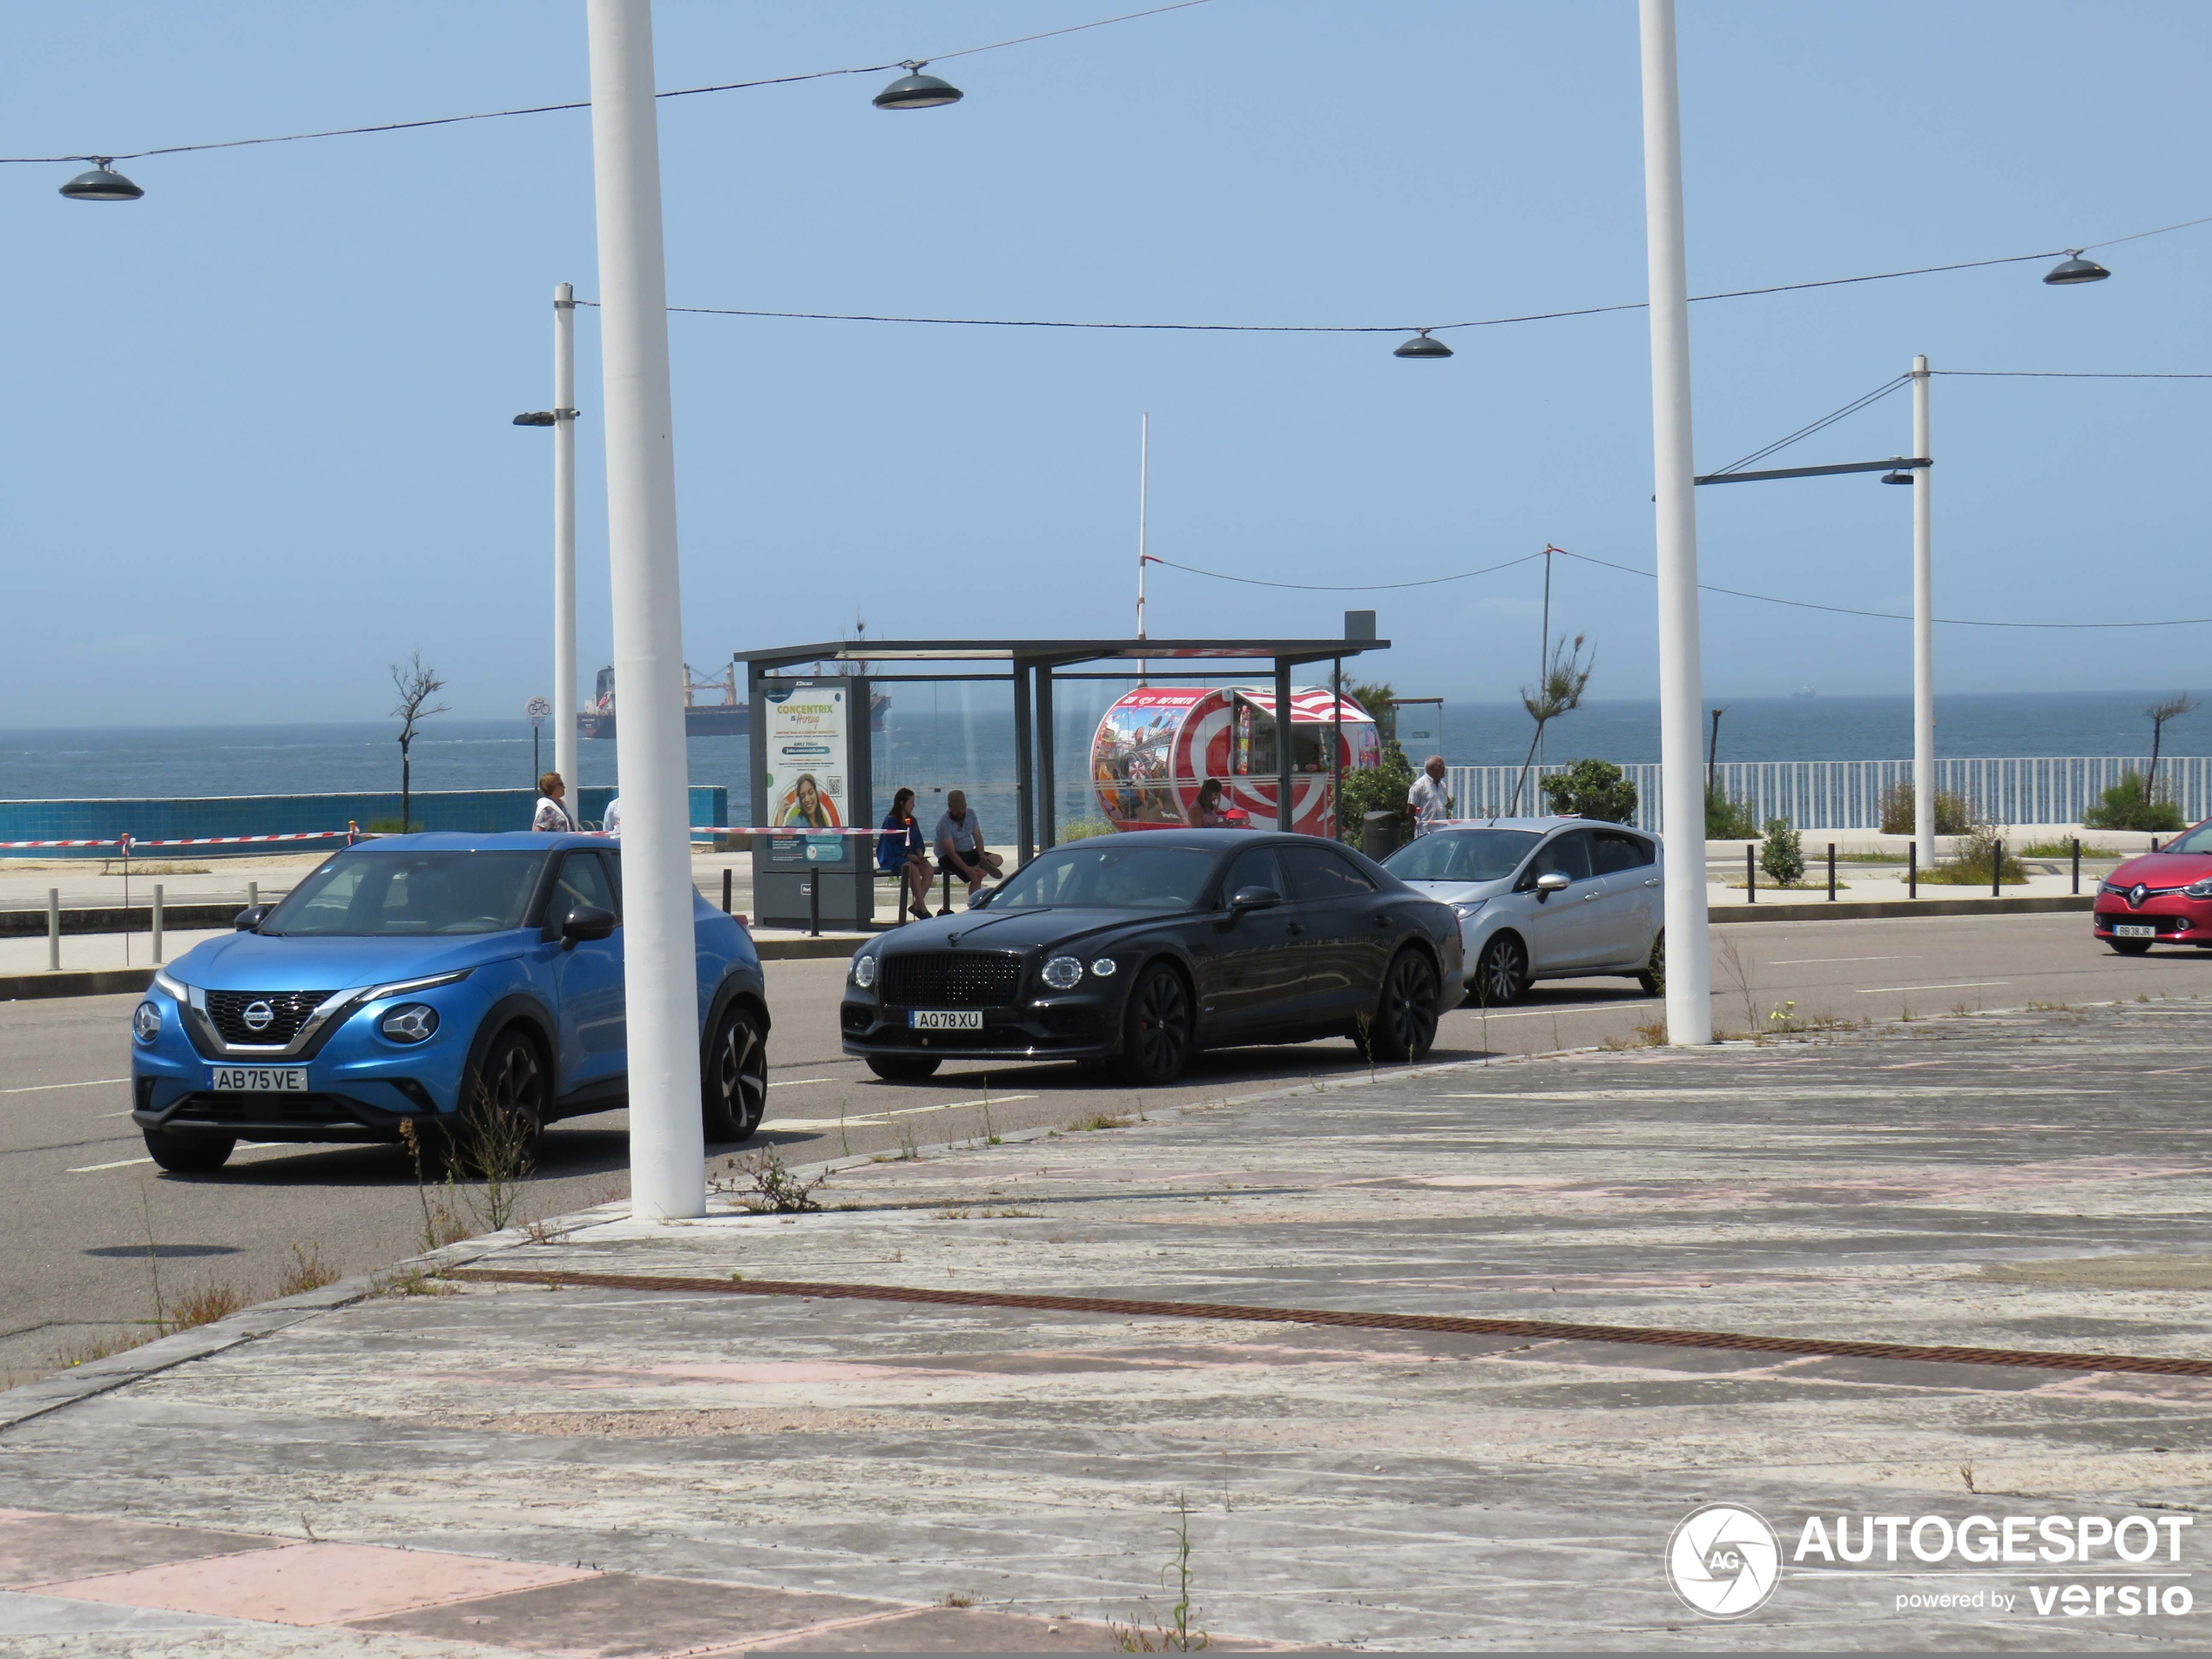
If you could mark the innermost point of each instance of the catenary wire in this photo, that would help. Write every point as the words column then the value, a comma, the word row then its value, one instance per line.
column 1851, row 408
column 1630, row 570
column 2068, row 375
column 585, row 103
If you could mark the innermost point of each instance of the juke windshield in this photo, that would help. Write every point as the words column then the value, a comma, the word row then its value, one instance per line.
column 368, row 894
column 1114, row 876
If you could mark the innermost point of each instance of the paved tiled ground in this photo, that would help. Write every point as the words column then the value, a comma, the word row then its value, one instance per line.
column 714, row 1469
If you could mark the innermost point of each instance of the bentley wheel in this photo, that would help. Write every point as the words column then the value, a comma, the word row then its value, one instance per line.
column 1501, row 976
column 733, row 1077
column 502, row 1119
column 188, row 1154
column 1157, row 1028
column 1653, row 977
column 905, row 1069
column 1404, row 1025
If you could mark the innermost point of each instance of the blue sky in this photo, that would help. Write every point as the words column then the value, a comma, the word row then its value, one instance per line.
column 257, row 441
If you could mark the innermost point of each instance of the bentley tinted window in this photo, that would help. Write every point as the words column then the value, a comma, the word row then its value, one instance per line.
column 1254, row 867
column 1111, row 872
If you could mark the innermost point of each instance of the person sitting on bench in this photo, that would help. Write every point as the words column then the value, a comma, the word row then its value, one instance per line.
column 960, row 845
column 899, row 851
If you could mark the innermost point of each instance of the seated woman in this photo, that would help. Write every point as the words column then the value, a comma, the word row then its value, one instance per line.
column 1207, row 814
column 902, row 852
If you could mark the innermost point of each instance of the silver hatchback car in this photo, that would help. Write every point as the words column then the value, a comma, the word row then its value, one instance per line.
column 1544, row 898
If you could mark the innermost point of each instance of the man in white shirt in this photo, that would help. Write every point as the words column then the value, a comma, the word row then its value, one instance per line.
column 611, row 823
column 960, row 845
column 1427, row 800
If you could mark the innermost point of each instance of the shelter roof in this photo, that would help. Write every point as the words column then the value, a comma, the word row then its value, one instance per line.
column 1057, row 652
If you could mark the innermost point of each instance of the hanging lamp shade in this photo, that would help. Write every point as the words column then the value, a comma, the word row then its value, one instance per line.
column 1422, row 346
column 103, row 184
column 915, row 90
column 2075, row 268
column 1899, row 477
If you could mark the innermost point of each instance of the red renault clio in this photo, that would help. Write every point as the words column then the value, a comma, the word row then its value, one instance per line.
column 2161, row 898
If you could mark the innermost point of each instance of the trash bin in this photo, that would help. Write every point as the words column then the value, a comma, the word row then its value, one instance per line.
column 1379, row 834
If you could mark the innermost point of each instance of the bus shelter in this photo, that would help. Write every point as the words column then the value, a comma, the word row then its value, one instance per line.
column 811, row 793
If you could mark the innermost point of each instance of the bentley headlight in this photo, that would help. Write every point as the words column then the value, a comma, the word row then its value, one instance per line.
column 1104, row 967
column 1063, row 973
column 864, row 969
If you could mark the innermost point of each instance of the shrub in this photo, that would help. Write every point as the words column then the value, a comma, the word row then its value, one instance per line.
column 1082, row 829
column 1593, row 789
column 1783, row 855
column 1969, row 864
column 2129, row 805
column 1378, row 789
column 1727, row 820
column 1953, row 815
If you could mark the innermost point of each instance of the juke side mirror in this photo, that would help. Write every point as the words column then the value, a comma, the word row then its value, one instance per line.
column 588, row 921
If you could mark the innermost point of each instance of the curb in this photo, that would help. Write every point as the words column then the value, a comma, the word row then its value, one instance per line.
column 89, row 982
column 1878, row 909
column 809, row 950
column 119, row 919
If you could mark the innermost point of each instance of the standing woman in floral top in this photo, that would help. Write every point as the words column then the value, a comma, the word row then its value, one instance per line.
column 552, row 816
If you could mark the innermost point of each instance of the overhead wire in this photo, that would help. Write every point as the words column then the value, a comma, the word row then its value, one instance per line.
column 585, row 103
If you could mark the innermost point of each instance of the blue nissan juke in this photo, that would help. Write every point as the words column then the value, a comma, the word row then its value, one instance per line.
column 416, row 977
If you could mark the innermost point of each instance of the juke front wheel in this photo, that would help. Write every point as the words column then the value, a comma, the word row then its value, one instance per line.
column 189, row 1154
column 501, row 1120
column 733, row 1077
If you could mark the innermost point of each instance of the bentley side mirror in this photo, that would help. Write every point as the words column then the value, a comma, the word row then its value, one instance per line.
column 981, row 898
column 1254, row 899
column 587, row 921
column 250, row 918
column 1550, row 883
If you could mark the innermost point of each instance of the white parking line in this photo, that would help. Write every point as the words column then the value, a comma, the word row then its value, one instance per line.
column 35, row 1088
column 120, row 1163
column 1564, row 1008
column 1946, row 985
column 862, row 1119
column 792, row 1082
column 1807, row 961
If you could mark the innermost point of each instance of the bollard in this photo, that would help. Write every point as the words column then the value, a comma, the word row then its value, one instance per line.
column 1912, row 871
column 53, row 930
column 946, row 910
column 253, row 893
column 726, row 890
column 814, row 905
column 2077, row 864
column 157, row 924
column 1750, row 874
column 1831, row 872
column 1997, row 871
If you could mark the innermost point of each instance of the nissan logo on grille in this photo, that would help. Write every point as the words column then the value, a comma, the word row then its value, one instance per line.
column 257, row 1016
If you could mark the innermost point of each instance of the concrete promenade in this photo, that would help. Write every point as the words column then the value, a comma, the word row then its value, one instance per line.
column 630, row 1467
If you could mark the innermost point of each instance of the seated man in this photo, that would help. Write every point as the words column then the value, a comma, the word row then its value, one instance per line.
column 960, row 844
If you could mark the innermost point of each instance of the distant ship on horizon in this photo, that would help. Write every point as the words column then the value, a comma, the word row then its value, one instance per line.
column 1805, row 690
column 725, row 717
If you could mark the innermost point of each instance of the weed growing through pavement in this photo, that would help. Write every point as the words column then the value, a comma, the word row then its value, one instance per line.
column 955, row 1598
column 909, row 1149
column 153, row 1258
column 442, row 1223
column 411, row 1281
column 1175, row 1637
column 843, row 1139
column 496, row 1146
column 1100, row 1120
column 1782, row 1021
column 1360, row 1023
column 1739, row 975
column 307, row 1270
column 766, row 1186
column 1966, row 1473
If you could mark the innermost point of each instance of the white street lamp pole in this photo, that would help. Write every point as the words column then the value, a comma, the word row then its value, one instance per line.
column 1924, row 790
column 565, row 735
column 667, row 1154
column 1690, row 972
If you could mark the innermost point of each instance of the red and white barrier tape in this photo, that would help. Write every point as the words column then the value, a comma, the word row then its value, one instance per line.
column 132, row 841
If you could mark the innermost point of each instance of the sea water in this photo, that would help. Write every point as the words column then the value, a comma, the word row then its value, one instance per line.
column 961, row 735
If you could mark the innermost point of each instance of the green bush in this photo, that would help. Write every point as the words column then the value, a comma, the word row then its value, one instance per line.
column 2129, row 805
column 1378, row 789
column 1953, row 816
column 1727, row 820
column 1970, row 862
column 1082, row 829
column 1783, row 856
column 1593, row 789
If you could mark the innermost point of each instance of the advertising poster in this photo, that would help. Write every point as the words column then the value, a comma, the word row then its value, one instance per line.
column 807, row 772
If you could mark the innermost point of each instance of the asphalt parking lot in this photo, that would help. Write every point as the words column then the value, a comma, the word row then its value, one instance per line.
column 86, row 1205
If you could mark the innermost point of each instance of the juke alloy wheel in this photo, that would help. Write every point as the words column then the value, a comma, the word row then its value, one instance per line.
column 1157, row 1028
column 502, row 1119
column 1404, row 1024
column 189, row 1154
column 733, row 1077
column 1501, row 976
column 1653, row 975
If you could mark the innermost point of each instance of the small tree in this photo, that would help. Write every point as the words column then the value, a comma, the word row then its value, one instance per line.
column 1375, row 789
column 2167, row 708
column 2129, row 805
column 1593, row 789
column 1783, row 855
column 416, row 686
column 1565, row 675
column 1380, row 701
column 1727, row 819
column 1953, row 816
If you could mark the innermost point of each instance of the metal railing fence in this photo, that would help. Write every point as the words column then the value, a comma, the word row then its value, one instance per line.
column 1848, row 794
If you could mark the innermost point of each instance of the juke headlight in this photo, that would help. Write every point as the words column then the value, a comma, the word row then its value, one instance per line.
column 146, row 1021
column 411, row 1023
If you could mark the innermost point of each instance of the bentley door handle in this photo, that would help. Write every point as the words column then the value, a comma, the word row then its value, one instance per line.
column 1294, row 929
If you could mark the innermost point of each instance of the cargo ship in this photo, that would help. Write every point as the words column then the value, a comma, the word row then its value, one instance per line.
column 723, row 716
